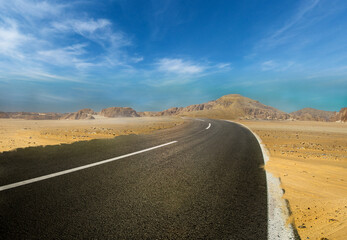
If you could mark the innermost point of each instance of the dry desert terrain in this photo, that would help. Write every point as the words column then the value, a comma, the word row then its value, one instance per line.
column 309, row 157
column 311, row 160
column 20, row 133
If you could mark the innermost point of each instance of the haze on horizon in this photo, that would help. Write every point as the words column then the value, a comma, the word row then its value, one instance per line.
column 61, row 56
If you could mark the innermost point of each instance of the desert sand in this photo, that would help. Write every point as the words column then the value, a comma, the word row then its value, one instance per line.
column 311, row 160
column 20, row 133
column 309, row 157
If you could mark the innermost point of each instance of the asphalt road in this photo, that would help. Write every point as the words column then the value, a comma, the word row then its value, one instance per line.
column 210, row 184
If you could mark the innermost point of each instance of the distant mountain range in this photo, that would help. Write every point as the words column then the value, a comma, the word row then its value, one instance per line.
column 232, row 106
column 311, row 114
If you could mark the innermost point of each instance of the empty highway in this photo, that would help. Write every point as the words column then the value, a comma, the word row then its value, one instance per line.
column 201, row 180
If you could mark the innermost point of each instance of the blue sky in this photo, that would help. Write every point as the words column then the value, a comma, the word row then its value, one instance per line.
column 151, row 55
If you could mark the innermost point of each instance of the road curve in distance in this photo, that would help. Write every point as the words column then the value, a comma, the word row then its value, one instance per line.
column 210, row 184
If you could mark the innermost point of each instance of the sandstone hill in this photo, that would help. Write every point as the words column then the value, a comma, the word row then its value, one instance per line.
column 114, row 112
column 4, row 115
column 148, row 114
column 31, row 115
column 85, row 113
column 340, row 116
column 311, row 114
column 232, row 106
column 343, row 114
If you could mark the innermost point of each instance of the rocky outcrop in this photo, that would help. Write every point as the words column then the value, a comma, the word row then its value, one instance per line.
column 311, row 114
column 32, row 115
column 233, row 106
column 4, row 115
column 85, row 113
column 81, row 114
column 343, row 114
column 340, row 116
column 170, row 111
column 114, row 112
column 148, row 114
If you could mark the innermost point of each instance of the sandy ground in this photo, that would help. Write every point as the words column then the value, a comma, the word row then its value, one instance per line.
column 18, row 133
column 311, row 160
column 309, row 157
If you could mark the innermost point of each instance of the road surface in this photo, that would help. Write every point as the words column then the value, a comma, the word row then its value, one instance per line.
column 203, row 180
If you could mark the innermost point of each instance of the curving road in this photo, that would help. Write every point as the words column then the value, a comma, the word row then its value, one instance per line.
column 207, row 182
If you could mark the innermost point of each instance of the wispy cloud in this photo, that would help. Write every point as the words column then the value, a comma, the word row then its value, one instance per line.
column 272, row 65
column 268, row 65
column 308, row 39
column 11, row 39
column 180, row 71
column 303, row 17
column 64, row 56
column 224, row 66
column 97, row 30
column 179, row 66
column 35, row 74
column 137, row 59
column 47, row 97
column 337, row 72
column 32, row 9
column 82, row 27
column 296, row 18
column 28, row 41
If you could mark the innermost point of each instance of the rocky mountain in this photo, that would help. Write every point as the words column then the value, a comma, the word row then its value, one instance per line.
column 340, row 116
column 85, row 113
column 31, row 115
column 311, row 114
column 114, row 112
column 343, row 114
column 148, row 114
column 81, row 114
column 232, row 106
column 4, row 115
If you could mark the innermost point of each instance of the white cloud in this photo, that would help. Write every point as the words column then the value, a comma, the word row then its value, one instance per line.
column 63, row 56
column 226, row 66
column 47, row 97
column 299, row 21
column 268, row 65
column 28, row 8
column 137, row 59
column 177, row 71
column 337, row 71
column 82, row 27
column 99, row 31
column 179, row 66
column 37, row 34
column 11, row 39
column 302, row 11
column 276, row 66
column 49, row 77
column 91, row 25
column 36, row 74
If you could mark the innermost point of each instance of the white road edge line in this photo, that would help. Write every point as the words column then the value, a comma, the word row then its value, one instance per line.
column 209, row 125
column 37, row 179
column 277, row 208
